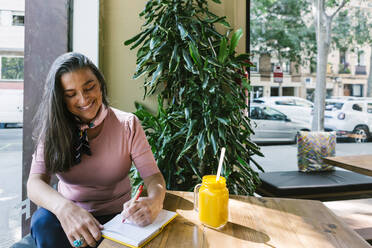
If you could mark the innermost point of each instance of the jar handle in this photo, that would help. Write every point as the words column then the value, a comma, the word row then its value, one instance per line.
column 196, row 197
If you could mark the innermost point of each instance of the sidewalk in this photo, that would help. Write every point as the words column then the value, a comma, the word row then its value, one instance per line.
column 10, row 185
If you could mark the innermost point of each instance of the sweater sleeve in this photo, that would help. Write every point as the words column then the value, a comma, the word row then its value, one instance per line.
column 38, row 164
column 140, row 149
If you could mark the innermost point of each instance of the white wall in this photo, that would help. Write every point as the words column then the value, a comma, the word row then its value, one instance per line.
column 11, row 37
column 85, row 28
column 18, row 5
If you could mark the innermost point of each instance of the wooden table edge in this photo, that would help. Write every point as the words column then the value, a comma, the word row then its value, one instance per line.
column 332, row 161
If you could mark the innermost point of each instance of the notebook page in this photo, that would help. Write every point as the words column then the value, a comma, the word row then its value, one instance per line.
column 134, row 235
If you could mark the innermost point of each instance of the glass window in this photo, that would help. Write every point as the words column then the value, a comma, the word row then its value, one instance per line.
column 357, row 90
column 357, row 107
column 272, row 67
column 361, row 58
column 286, row 67
column 258, row 101
column 312, row 66
column 18, row 20
column 369, row 108
column 310, row 94
column 274, row 91
column 303, row 103
column 288, row 91
column 342, row 56
column 287, row 102
column 272, row 114
column 12, row 68
column 257, row 91
column 334, row 105
column 255, row 67
column 256, row 113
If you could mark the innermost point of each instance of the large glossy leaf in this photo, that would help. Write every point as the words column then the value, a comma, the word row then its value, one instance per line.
column 235, row 39
column 187, row 147
column 136, row 37
column 141, row 39
column 183, row 32
column 222, row 52
column 205, row 82
column 143, row 61
column 213, row 62
column 214, row 144
column 223, row 120
column 157, row 74
column 175, row 59
column 187, row 59
column 190, row 127
column 201, row 144
column 195, row 54
column 215, row 19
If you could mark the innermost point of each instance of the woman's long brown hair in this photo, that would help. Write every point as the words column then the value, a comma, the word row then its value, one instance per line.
column 55, row 126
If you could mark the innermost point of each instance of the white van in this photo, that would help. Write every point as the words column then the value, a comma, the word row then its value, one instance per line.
column 351, row 118
column 11, row 106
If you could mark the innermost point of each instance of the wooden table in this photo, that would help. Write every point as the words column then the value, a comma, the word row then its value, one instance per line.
column 356, row 213
column 358, row 163
column 255, row 222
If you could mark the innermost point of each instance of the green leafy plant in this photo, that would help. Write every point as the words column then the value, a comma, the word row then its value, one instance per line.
column 201, row 91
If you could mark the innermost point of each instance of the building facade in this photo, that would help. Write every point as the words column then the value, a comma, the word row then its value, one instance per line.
column 12, row 14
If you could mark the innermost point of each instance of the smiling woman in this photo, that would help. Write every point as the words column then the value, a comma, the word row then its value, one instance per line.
column 90, row 147
column 82, row 94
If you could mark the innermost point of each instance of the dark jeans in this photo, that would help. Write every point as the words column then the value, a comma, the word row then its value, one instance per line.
column 47, row 231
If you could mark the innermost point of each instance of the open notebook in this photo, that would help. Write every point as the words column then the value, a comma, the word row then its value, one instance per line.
column 136, row 236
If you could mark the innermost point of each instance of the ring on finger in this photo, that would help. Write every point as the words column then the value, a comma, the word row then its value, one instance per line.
column 79, row 242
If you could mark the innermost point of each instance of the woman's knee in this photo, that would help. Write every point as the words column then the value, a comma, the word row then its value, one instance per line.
column 47, row 230
column 43, row 219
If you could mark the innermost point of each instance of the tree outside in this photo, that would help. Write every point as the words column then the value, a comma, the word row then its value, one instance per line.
column 306, row 31
column 12, row 68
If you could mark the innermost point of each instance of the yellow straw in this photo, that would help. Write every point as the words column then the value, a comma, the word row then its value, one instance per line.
column 220, row 163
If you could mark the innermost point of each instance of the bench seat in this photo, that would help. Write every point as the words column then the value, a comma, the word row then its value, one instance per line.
column 324, row 186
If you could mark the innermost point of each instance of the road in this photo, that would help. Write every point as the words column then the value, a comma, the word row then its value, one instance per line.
column 277, row 158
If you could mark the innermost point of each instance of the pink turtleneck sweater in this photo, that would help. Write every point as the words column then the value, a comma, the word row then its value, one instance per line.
column 100, row 183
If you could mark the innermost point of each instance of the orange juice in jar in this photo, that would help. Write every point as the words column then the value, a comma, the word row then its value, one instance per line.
column 211, row 199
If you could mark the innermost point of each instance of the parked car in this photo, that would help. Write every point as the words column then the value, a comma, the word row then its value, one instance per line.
column 296, row 108
column 11, row 107
column 350, row 118
column 271, row 125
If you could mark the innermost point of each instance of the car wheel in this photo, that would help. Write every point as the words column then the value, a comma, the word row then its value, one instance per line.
column 360, row 134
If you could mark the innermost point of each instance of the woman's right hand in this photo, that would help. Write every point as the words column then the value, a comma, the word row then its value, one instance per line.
column 78, row 222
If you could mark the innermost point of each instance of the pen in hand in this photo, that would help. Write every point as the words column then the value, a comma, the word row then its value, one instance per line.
column 135, row 198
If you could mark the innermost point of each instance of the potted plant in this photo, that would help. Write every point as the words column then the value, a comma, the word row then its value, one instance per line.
column 201, row 91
